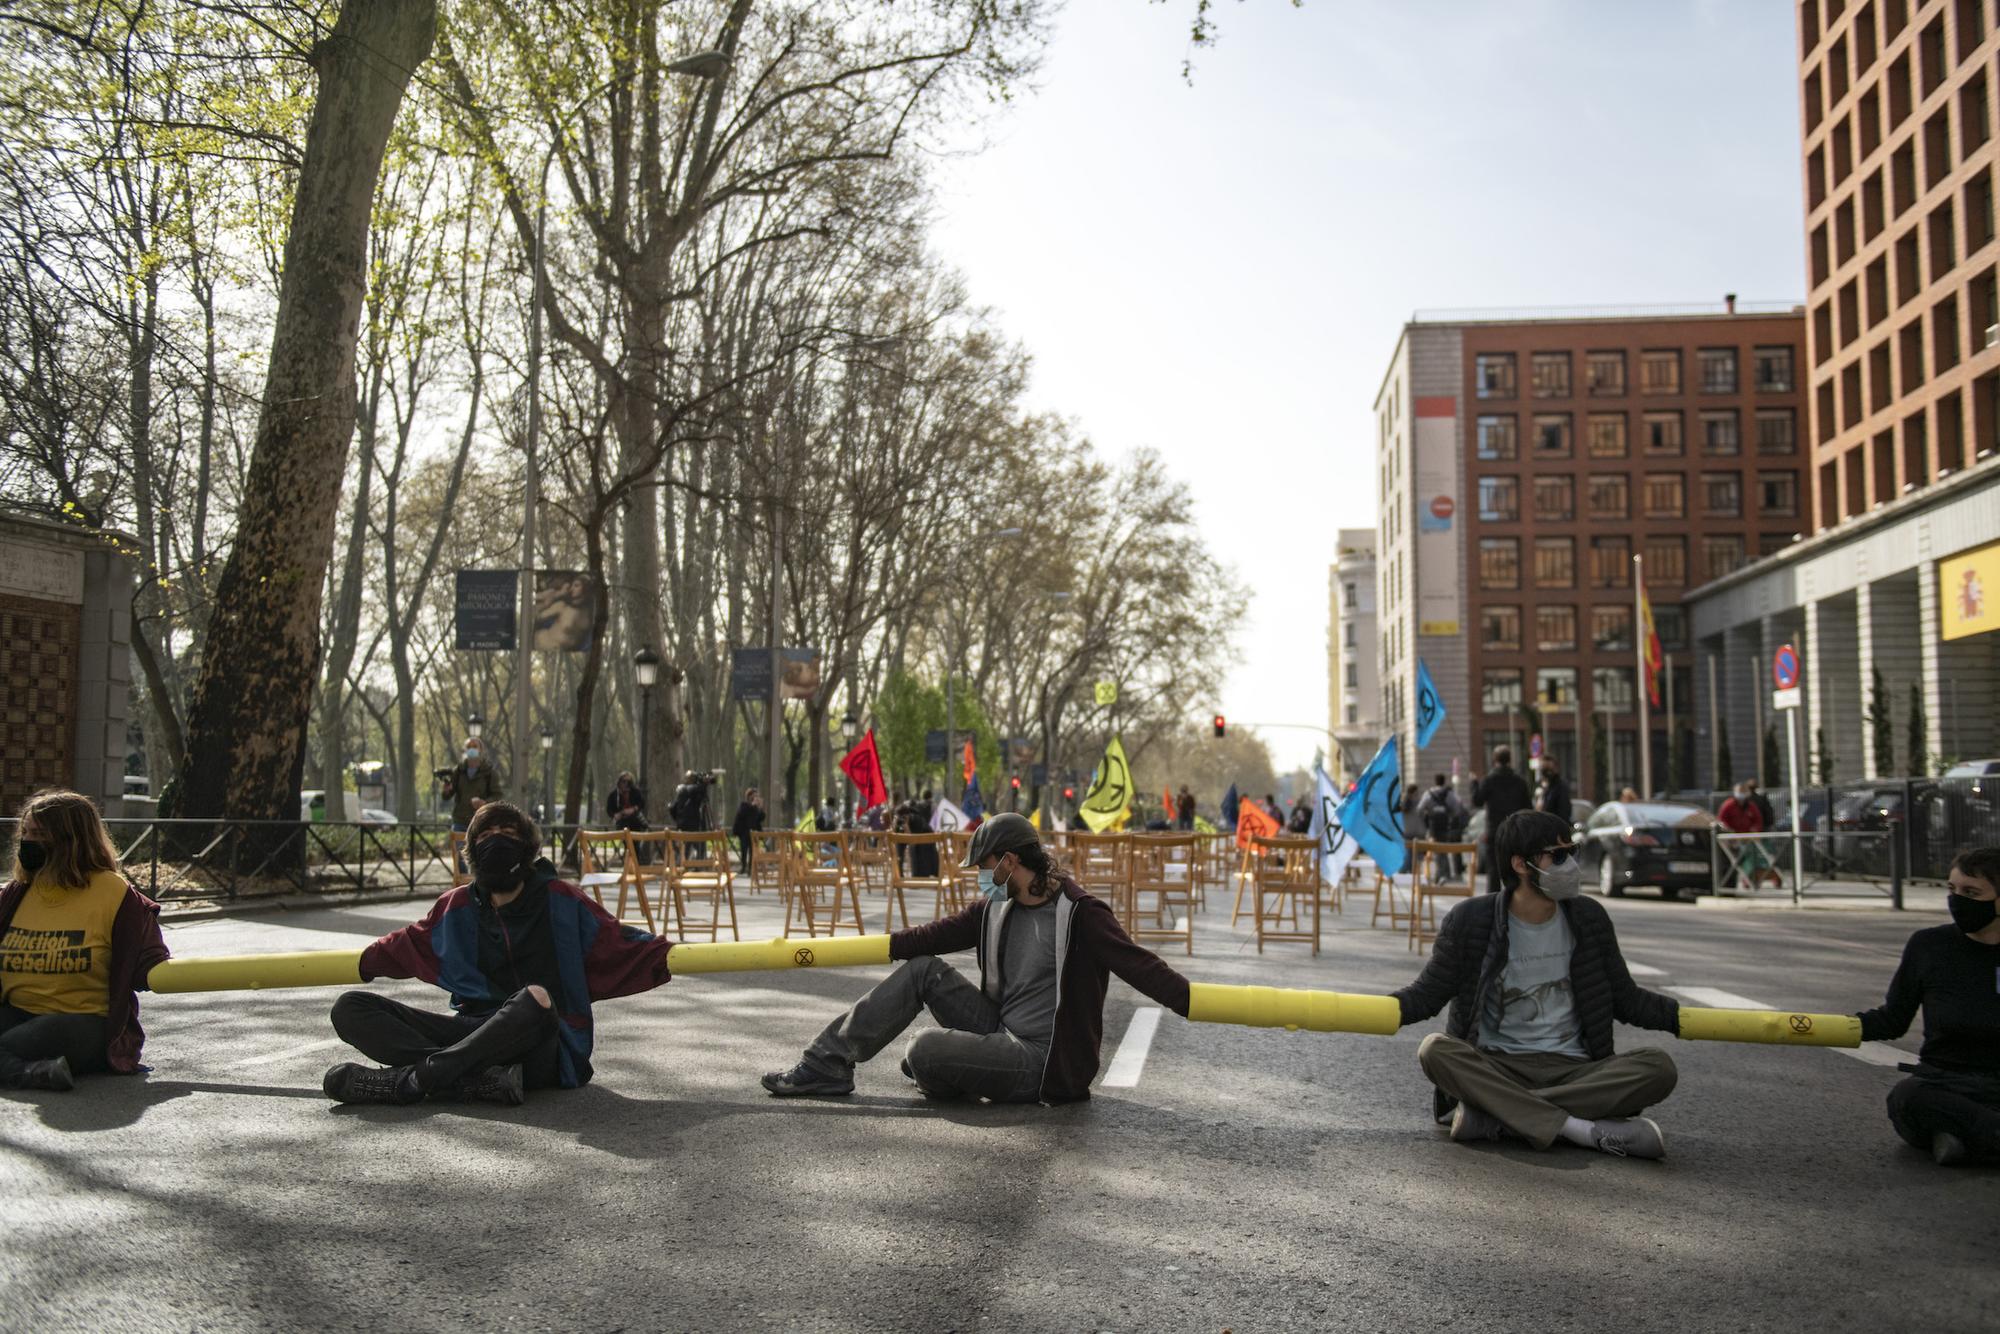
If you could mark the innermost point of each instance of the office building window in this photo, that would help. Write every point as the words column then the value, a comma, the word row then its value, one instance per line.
column 1606, row 371
column 1773, row 370
column 1353, row 714
column 1353, row 675
column 1347, row 595
column 1669, row 623
column 1611, row 562
column 1494, row 375
column 1555, row 499
column 1499, row 562
column 1610, row 497
column 1778, row 493
column 1555, row 629
column 1611, row 690
column 1719, row 434
column 1721, row 555
column 1555, row 562
column 1665, row 496
column 1552, row 435
column 1666, row 561
column 1776, row 433
column 1349, row 629
column 1607, row 435
column 1611, row 628
column 1660, row 372
column 1500, row 689
column 1550, row 372
column 1497, row 439
column 1499, row 499
column 1662, row 432
column 1718, row 369
column 1503, row 628
column 1722, row 494
column 1555, row 687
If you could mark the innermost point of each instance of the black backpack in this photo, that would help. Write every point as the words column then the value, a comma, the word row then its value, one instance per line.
column 1438, row 821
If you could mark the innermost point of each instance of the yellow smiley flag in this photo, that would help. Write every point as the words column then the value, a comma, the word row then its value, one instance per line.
column 1105, row 806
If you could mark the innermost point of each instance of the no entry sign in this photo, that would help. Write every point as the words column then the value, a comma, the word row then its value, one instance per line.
column 1785, row 668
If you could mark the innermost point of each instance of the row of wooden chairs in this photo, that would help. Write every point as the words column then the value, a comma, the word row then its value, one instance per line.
column 1408, row 901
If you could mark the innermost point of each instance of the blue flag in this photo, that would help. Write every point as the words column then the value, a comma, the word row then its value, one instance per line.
column 1373, row 812
column 1430, row 706
column 1229, row 803
column 975, row 805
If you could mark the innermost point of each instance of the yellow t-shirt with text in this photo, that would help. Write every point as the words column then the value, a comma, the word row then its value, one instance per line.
column 56, row 955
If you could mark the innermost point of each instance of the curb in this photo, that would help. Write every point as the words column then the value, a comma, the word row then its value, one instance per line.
column 170, row 914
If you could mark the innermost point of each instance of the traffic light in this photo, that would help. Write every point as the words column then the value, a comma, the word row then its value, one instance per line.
column 1220, row 726
column 1069, row 794
column 1016, row 780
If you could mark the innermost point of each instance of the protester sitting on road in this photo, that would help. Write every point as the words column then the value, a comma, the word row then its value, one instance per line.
column 471, row 783
column 1029, row 1029
column 627, row 804
column 1950, row 1105
column 1499, row 794
column 523, row 955
column 1534, row 978
column 76, row 942
column 749, row 819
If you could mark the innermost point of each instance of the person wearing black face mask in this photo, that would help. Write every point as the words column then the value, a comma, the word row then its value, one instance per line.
column 523, row 955
column 1949, row 1107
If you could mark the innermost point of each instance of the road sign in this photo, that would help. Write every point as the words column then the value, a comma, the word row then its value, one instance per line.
column 1785, row 668
column 1107, row 692
column 1535, row 746
column 1788, row 699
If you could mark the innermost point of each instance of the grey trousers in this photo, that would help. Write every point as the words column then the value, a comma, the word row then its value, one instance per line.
column 971, row 1056
column 1533, row 1095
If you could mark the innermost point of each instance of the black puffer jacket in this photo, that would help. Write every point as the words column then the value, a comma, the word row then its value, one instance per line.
column 1470, row 957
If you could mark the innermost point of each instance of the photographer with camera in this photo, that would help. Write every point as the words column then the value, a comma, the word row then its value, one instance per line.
column 470, row 783
column 689, row 811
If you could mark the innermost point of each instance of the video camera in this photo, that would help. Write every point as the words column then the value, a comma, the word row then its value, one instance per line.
column 705, row 777
column 442, row 774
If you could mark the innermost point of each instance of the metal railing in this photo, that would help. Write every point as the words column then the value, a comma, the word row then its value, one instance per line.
column 1831, row 860
column 1932, row 819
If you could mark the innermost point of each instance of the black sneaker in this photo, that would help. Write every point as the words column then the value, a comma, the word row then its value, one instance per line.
column 1948, row 1150
column 349, row 1082
column 496, row 1083
column 53, row 1075
column 1471, row 1125
column 805, row 1080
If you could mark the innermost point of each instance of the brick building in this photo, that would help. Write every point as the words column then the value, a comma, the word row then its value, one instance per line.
column 1524, row 460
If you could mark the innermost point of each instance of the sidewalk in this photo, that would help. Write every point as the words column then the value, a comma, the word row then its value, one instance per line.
column 1833, row 896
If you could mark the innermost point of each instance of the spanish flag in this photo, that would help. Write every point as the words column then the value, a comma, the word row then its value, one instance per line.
column 1650, row 656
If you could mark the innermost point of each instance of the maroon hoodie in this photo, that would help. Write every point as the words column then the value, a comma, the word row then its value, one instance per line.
column 136, row 945
column 1090, row 946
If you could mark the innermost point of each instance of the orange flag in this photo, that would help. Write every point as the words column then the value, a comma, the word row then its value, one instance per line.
column 970, row 767
column 1253, row 822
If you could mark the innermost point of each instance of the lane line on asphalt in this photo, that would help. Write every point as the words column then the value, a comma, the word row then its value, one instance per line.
column 1868, row 1053
column 1130, row 1061
column 1644, row 969
column 290, row 1052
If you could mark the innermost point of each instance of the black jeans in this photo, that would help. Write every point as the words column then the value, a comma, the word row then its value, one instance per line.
column 447, row 1049
column 1964, row 1105
column 25, row 1038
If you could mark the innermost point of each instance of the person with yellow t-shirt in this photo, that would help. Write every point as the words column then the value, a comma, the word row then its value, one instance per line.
column 76, row 943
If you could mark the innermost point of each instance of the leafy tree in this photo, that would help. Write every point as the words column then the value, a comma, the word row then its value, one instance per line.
column 1920, row 760
column 1825, row 755
column 1600, row 757
column 1774, row 762
column 1880, row 726
column 1725, row 768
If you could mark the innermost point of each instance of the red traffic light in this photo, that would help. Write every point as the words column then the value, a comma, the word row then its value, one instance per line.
column 1016, row 780
column 1069, row 793
column 1220, row 725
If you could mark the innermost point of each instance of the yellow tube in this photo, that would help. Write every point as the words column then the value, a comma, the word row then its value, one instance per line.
column 732, row 956
column 1282, row 1007
column 257, row 972
column 1798, row 1030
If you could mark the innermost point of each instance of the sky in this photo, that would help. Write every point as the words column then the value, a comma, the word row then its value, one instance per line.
column 1220, row 271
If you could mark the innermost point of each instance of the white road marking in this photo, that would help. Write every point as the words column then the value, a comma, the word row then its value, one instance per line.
column 1868, row 1053
column 1644, row 969
column 290, row 1052
column 1131, row 1058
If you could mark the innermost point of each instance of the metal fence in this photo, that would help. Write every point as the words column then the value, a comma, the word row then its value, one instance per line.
column 1833, row 861
column 1931, row 819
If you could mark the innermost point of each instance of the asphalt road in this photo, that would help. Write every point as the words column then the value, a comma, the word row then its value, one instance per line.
column 1249, row 1180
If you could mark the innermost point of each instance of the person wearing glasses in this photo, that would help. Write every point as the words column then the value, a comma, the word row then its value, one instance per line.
column 1534, row 979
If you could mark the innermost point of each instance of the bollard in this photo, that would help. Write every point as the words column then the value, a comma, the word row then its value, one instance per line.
column 1798, row 1030
column 1282, row 1007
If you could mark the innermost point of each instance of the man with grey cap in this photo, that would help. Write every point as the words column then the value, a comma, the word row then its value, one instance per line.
column 1029, row 1029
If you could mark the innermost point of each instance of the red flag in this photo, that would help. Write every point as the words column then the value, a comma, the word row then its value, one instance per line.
column 1252, row 821
column 970, row 767
column 1167, row 799
column 863, row 765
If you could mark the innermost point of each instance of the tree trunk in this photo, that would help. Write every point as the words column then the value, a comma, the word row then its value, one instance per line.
column 246, row 726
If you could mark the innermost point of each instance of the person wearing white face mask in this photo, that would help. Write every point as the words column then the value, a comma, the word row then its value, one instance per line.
column 1534, row 978
column 1029, row 1029
column 471, row 783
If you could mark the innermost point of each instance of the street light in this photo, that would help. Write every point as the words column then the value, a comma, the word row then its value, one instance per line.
column 548, row 773
column 646, row 667
column 474, row 724
column 850, row 727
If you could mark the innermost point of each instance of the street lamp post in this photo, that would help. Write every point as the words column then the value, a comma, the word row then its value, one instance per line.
column 646, row 666
column 475, row 725
column 850, row 732
column 548, row 774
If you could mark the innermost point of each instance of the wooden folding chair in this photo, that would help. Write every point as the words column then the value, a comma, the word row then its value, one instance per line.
column 605, row 859
column 461, row 870
column 1101, row 864
column 1431, row 864
column 1386, row 888
column 869, row 853
column 823, row 888
column 944, row 887
column 700, row 872
column 768, row 865
column 1164, row 874
column 1286, row 873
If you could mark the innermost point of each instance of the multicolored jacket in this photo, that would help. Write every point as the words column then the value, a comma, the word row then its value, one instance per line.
column 597, row 958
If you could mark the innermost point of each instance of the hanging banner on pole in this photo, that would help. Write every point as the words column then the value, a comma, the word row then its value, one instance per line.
column 565, row 611
column 484, row 608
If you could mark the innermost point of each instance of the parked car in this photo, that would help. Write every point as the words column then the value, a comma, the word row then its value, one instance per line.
column 1974, row 769
column 1475, row 828
column 1661, row 844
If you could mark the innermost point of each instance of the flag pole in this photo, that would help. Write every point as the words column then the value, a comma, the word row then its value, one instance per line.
column 1645, row 784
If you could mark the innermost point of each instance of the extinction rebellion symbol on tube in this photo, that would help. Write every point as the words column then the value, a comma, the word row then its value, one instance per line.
column 802, row 957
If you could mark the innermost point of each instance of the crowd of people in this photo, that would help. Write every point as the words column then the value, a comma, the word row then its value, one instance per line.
column 1531, row 976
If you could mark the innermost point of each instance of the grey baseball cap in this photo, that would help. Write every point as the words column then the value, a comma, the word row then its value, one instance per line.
column 1002, row 833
